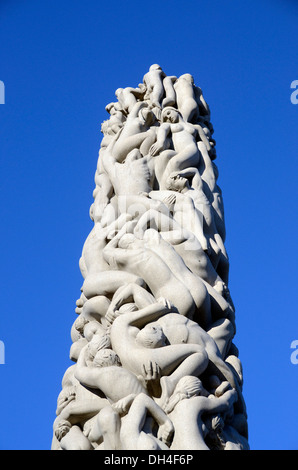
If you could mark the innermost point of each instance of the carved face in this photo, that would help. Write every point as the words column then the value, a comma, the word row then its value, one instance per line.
column 176, row 183
column 106, row 358
column 170, row 115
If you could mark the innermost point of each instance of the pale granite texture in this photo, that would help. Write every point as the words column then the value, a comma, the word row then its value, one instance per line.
column 155, row 366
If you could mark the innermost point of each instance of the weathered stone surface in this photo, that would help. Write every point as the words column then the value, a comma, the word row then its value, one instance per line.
column 155, row 366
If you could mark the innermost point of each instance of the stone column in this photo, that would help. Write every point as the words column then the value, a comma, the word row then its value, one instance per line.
column 154, row 362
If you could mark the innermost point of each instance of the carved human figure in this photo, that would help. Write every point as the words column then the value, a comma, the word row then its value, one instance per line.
column 205, row 136
column 106, row 283
column 153, row 241
column 75, row 404
column 135, row 172
column 104, row 430
column 170, row 94
column 102, row 195
column 106, row 369
column 95, row 308
column 181, row 330
column 212, row 302
column 190, row 100
column 139, row 131
column 137, row 297
column 75, row 401
column 77, row 329
column 186, row 212
column 112, row 126
column 95, row 243
column 171, row 329
column 224, row 436
column 201, row 213
column 186, row 98
column 117, row 118
column 132, row 295
column 185, row 151
column 128, row 97
column 183, row 241
column 209, row 174
column 135, row 429
column 155, row 366
column 127, row 425
column 188, row 182
column 137, row 342
column 186, row 409
column 93, row 331
column 71, row 437
column 126, row 252
column 153, row 81
column 203, row 106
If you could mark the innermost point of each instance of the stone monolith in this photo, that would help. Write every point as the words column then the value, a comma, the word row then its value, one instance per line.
column 154, row 360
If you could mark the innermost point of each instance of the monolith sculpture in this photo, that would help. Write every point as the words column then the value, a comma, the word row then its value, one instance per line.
column 154, row 362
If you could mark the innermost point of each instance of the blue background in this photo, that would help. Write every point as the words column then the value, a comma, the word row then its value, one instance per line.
column 61, row 63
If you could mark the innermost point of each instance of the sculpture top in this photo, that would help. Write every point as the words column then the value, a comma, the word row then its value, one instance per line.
column 155, row 365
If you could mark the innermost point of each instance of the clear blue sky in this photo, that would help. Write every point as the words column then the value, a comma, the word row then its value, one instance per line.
column 61, row 63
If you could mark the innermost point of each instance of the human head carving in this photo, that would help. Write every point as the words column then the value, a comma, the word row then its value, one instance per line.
column 106, row 358
column 151, row 336
column 170, row 114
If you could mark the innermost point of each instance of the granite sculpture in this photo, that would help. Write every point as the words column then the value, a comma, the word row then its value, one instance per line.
column 154, row 362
